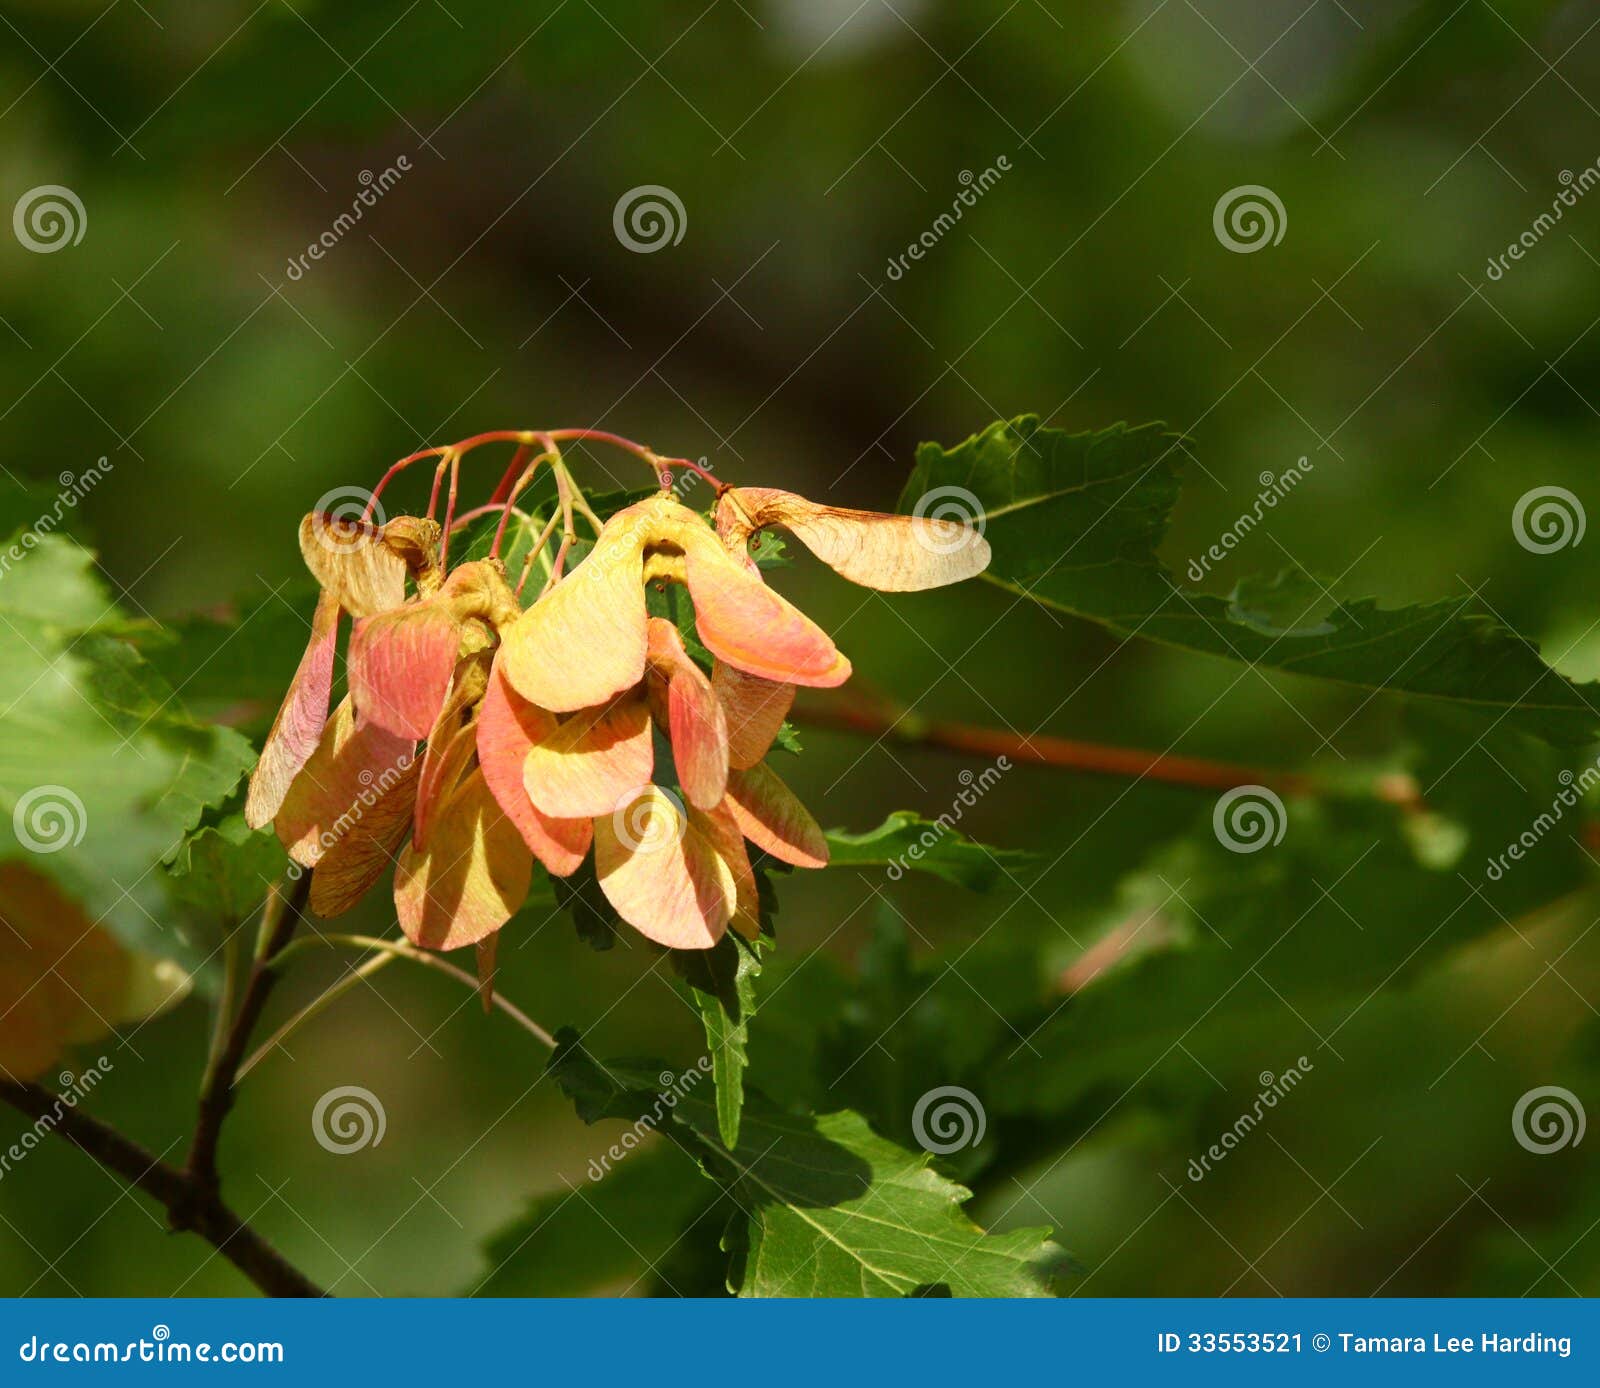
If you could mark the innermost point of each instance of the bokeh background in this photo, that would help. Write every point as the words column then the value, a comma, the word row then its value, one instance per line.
column 809, row 142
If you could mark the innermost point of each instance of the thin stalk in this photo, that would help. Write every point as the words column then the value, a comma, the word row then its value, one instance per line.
column 400, row 949
column 279, row 917
column 323, row 1000
column 223, row 1015
column 450, row 509
column 523, row 479
column 537, row 552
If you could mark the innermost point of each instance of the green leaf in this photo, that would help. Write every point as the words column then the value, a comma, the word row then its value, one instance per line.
column 1207, row 948
column 836, row 1210
column 237, row 666
column 906, row 842
column 224, row 870
column 1075, row 521
column 604, row 1236
column 522, row 530
column 102, row 771
column 831, row 1208
column 50, row 584
column 721, row 983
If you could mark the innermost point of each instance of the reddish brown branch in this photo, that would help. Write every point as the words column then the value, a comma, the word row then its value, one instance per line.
column 1093, row 758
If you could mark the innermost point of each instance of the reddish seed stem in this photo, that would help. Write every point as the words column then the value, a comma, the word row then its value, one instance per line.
column 394, row 470
column 694, row 468
column 519, row 459
column 438, row 481
column 519, row 472
column 568, row 529
column 476, row 513
column 601, row 436
column 522, row 481
column 449, row 510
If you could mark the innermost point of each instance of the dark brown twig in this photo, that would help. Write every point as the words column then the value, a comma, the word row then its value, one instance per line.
column 188, row 1209
column 192, row 1195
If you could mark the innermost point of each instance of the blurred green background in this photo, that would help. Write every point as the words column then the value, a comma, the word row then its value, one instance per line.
column 809, row 142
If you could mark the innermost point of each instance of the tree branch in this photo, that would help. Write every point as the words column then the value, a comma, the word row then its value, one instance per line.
column 1091, row 757
column 189, row 1209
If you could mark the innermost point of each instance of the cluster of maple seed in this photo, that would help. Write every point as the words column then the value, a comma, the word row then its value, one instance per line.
column 538, row 726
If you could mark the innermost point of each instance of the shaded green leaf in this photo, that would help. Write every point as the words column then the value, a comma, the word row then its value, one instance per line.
column 1075, row 520
column 579, row 895
column 224, row 870
column 831, row 1208
column 1207, row 942
column 236, row 666
column 602, row 1236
